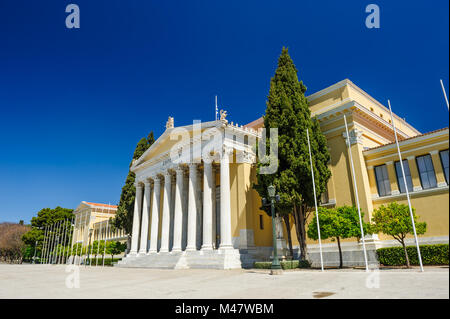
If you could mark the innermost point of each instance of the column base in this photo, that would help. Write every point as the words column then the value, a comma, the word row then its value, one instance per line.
column 164, row 250
column 142, row 252
column 153, row 251
column 226, row 247
column 133, row 253
column 176, row 250
column 206, row 247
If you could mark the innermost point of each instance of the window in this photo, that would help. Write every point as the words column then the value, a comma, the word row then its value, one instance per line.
column 401, row 183
column 261, row 222
column 426, row 171
column 444, row 161
column 382, row 177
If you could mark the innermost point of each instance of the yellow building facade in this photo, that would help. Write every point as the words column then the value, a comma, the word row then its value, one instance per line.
column 197, row 208
column 91, row 223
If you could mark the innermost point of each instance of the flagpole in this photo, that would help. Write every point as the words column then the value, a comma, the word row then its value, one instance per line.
column 52, row 243
column 445, row 94
column 315, row 200
column 98, row 245
column 406, row 188
column 356, row 194
column 58, row 230
column 104, row 248
column 49, row 243
column 44, row 243
column 75, row 235
column 72, row 231
column 64, row 241
column 52, row 248
column 69, row 249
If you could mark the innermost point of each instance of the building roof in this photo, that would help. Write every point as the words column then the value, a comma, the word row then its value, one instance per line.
column 100, row 205
column 407, row 139
column 256, row 123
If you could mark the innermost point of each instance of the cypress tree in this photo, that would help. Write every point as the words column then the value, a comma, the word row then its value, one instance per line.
column 124, row 216
column 288, row 111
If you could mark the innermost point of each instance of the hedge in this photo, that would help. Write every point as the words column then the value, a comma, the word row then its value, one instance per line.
column 285, row 264
column 431, row 255
column 107, row 261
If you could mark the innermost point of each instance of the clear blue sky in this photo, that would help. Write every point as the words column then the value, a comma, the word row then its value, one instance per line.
column 74, row 103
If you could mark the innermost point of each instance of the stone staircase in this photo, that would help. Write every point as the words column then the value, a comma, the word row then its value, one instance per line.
column 209, row 259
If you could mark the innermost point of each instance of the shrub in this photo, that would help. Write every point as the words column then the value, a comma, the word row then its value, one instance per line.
column 107, row 261
column 285, row 264
column 304, row 264
column 431, row 255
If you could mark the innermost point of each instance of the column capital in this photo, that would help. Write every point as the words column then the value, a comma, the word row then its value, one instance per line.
column 138, row 184
column 410, row 158
column 179, row 170
column 390, row 163
column 147, row 183
column 355, row 136
column 227, row 150
column 246, row 157
column 369, row 167
column 166, row 173
column 434, row 152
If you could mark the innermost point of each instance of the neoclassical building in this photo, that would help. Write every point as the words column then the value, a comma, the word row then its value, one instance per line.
column 92, row 223
column 195, row 206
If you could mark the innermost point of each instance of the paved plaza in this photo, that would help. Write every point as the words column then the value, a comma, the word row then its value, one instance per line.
column 47, row 281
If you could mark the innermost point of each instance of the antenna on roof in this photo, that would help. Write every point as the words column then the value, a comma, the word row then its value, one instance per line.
column 445, row 94
column 217, row 109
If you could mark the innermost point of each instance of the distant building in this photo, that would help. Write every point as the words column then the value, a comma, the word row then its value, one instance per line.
column 92, row 220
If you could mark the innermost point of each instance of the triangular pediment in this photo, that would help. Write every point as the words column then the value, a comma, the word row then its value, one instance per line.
column 169, row 139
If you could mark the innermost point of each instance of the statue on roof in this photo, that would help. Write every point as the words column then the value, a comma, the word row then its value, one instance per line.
column 223, row 116
column 170, row 123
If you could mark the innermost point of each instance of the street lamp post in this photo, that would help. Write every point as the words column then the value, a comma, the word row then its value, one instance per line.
column 275, row 262
column 276, row 266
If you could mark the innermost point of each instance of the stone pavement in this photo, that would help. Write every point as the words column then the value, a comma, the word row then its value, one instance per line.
column 52, row 281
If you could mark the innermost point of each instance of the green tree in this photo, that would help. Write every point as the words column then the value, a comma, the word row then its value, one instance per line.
column 44, row 218
column 395, row 220
column 288, row 111
column 339, row 223
column 115, row 248
column 124, row 216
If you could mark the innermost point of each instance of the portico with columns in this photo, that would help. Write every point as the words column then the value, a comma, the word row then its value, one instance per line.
column 182, row 212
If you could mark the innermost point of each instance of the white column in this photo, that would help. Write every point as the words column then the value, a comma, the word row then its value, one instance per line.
column 155, row 215
column 145, row 218
column 192, row 208
column 178, row 218
column 225, row 205
column 136, row 220
column 207, row 205
column 166, row 212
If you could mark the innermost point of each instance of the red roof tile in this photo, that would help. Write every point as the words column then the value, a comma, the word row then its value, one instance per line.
column 104, row 205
